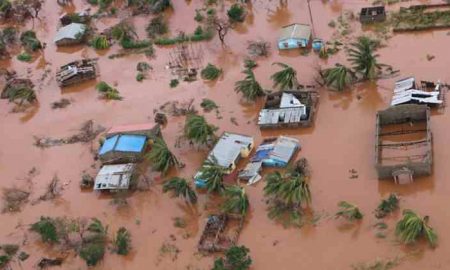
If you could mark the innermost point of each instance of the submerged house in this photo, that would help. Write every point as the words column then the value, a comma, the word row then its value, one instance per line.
column 288, row 109
column 403, row 145
column 229, row 149
column 372, row 14
column 77, row 72
column 70, row 34
column 114, row 177
column 273, row 152
column 294, row 36
column 407, row 92
column 221, row 232
column 126, row 144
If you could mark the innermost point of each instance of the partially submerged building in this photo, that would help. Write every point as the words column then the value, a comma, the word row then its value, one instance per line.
column 70, row 34
column 127, row 144
column 272, row 152
column 229, row 149
column 403, row 145
column 77, row 72
column 220, row 233
column 407, row 92
column 114, row 177
column 372, row 14
column 294, row 36
column 288, row 109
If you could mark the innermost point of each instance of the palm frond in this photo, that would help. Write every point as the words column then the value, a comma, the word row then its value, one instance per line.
column 180, row 188
column 198, row 130
column 161, row 157
column 285, row 79
column 349, row 211
column 412, row 226
column 236, row 200
column 249, row 87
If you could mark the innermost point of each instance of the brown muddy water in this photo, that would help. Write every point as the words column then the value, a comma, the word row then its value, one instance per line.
column 341, row 139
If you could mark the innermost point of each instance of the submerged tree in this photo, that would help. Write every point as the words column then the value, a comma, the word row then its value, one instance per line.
column 46, row 228
column 107, row 91
column 180, row 188
column 236, row 258
column 363, row 58
column 249, row 87
column 21, row 95
column 236, row 13
column 211, row 72
column 94, row 246
column 100, row 42
column 161, row 157
column 387, row 206
column 349, row 211
column 338, row 77
column 122, row 241
column 197, row 130
column 285, row 79
column 212, row 173
column 413, row 226
column 236, row 200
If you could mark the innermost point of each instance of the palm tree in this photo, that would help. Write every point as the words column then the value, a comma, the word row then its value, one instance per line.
column 22, row 94
column 413, row 226
column 161, row 157
column 249, row 87
column 387, row 206
column 361, row 55
column 338, row 77
column 97, row 227
column 236, row 200
column 349, row 211
column 212, row 173
column 180, row 188
column 198, row 130
column 286, row 78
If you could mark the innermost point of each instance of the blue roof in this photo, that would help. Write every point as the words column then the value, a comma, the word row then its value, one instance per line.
column 124, row 143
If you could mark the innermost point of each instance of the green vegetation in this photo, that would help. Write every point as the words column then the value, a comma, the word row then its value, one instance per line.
column 211, row 72
column 125, row 34
column 197, row 130
column 5, row 5
column 208, row 105
column 161, row 157
column 46, row 228
column 249, row 87
column 198, row 16
column 413, row 226
column 29, row 41
column 236, row 13
column 287, row 194
column 22, row 95
column 140, row 77
column 419, row 18
column 174, row 83
column 349, row 211
column 377, row 265
column 100, row 42
column 180, row 188
column 92, row 253
column 250, row 64
column 338, row 77
column 236, row 258
column 107, row 91
column 285, row 79
column 179, row 222
column 157, row 26
column 387, row 206
column 122, row 241
column 204, row 35
column 212, row 173
column 24, row 57
column 363, row 58
column 104, row 3
column 236, row 200
column 4, row 260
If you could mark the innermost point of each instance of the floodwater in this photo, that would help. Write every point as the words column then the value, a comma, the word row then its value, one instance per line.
column 341, row 139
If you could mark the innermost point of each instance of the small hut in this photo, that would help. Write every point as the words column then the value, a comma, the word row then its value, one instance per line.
column 70, row 34
column 294, row 36
column 77, row 72
column 372, row 14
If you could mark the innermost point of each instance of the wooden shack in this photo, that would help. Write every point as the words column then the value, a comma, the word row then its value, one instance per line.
column 220, row 233
column 372, row 14
column 77, row 72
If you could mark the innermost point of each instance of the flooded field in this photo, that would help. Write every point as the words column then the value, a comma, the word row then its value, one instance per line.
column 339, row 146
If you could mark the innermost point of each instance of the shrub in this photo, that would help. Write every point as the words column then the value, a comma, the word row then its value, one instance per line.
column 236, row 258
column 210, row 72
column 92, row 253
column 140, row 77
column 107, row 91
column 198, row 16
column 157, row 26
column 208, row 105
column 30, row 41
column 4, row 260
column 122, row 241
column 174, row 83
column 24, row 57
column 349, row 211
column 46, row 227
column 128, row 43
column 100, row 42
column 236, row 13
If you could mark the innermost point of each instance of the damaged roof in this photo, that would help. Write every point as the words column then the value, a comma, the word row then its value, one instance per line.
column 114, row 177
column 229, row 148
column 72, row 31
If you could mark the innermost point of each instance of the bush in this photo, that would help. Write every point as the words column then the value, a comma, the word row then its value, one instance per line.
column 128, row 43
column 4, row 260
column 92, row 253
column 5, row 5
column 236, row 13
column 210, row 72
column 198, row 16
column 46, row 227
column 140, row 77
column 107, row 91
column 24, row 57
column 174, row 83
column 122, row 241
column 236, row 258
column 208, row 105
column 100, row 42
column 30, row 41
column 157, row 26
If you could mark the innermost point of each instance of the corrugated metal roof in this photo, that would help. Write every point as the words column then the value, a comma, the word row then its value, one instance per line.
column 124, row 143
column 295, row 31
column 114, row 176
column 228, row 148
column 71, row 31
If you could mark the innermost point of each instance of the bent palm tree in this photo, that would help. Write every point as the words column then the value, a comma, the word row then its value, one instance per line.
column 361, row 55
column 249, row 87
column 338, row 77
column 413, row 226
column 161, row 157
column 212, row 173
column 198, row 130
column 236, row 200
column 286, row 78
column 349, row 211
column 180, row 188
